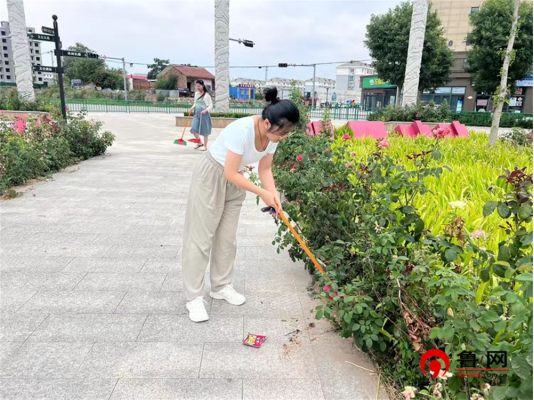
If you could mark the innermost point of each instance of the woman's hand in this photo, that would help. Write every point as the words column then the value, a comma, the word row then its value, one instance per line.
column 271, row 199
column 191, row 110
column 204, row 112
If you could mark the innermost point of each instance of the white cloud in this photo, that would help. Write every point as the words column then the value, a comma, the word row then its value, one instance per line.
column 182, row 31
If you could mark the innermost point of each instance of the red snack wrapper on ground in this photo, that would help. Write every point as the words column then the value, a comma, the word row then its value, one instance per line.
column 253, row 340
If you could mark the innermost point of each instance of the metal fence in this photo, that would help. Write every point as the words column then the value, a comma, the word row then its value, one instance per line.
column 122, row 106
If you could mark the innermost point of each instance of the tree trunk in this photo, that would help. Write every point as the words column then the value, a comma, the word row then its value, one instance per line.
column 222, row 55
column 21, row 49
column 415, row 52
column 503, row 89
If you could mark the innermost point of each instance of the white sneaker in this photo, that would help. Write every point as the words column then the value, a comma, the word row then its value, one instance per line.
column 230, row 295
column 197, row 309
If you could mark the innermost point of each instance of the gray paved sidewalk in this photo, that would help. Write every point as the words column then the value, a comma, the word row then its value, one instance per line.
column 92, row 304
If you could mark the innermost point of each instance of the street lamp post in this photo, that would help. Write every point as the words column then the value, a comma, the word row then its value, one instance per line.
column 123, row 73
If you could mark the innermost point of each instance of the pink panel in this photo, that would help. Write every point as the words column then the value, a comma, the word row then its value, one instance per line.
column 405, row 130
column 374, row 129
column 309, row 129
column 421, row 129
column 448, row 127
column 317, row 126
column 460, row 129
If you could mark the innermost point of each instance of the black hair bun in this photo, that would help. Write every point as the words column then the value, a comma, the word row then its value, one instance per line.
column 271, row 95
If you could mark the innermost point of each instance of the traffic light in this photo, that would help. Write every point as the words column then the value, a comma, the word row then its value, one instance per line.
column 282, row 65
column 248, row 43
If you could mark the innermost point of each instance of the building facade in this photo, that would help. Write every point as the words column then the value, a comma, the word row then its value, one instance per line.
column 459, row 91
column 377, row 93
column 7, row 66
column 187, row 76
column 243, row 91
column 324, row 90
column 348, row 81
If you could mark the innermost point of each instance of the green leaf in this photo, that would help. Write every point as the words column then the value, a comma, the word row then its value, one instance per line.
column 369, row 343
column 319, row 314
column 474, row 325
column 356, row 327
column 485, row 274
column 383, row 346
column 504, row 210
column 499, row 270
column 498, row 392
column 529, row 358
column 499, row 326
column 525, row 212
column 490, row 316
column 451, row 254
column 480, row 292
column 436, row 333
column 448, row 333
column 504, row 253
column 521, row 367
column 348, row 317
column 526, row 239
column 526, row 277
column 489, row 207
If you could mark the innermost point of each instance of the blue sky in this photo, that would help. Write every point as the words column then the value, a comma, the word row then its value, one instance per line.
column 182, row 31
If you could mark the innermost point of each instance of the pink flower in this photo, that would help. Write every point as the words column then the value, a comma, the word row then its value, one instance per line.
column 327, row 288
column 353, row 154
column 20, row 125
column 346, row 165
column 66, row 108
column 300, row 158
column 2, row 111
column 346, row 137
column 328, row 151
column 383, row 144
column 478, row 234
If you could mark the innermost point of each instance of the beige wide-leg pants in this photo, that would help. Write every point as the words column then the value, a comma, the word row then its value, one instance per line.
column 211, row 220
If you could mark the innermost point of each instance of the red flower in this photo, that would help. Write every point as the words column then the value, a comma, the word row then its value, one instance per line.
column 300, row 158
column 20, row 125
column 346, row 137
column 66, row 108
column 328, row 151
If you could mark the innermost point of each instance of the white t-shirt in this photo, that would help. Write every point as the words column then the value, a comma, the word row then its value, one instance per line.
column 239, row 137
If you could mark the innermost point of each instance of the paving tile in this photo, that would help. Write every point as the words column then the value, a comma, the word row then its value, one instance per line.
column 180, row 329
column 173, row 264
column 89, row 328
column 73, row 302
column 233, row 360
column 145, row 240
column 39, row 280
column 106, row 264
column 144, row 252
column 18, row 249
column 12, row 300
column 68, row 389
column 277, row 283
column 65, row 239
column 143, row 360
column 54, row 250
column 178, row 389
column 34, row 264
column 294, row 389
column 280, row 304
column 16, row 327
column 44, row 360
column 121, row 281
column 143, row 302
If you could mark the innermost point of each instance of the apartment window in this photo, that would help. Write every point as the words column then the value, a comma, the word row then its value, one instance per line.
column 474, row 9
column 40, row 79
column 32, row 57
column 352, row 70
column 351, row 85
column 6, row 55
column 36, row 51
column 6, row 62
column 5, row 47
column 8, row 77
column 4, row 40
column 38, row 58
column 351, row 78
column 1, row 76
column 3, row 33
column 8, row 70
column 31, row 51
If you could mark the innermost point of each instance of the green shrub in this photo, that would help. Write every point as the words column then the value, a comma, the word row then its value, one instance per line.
column 517, row 137
column 228, row 115
column 393, row 285
column 160, row 97
column 10, row 100
column 38, row 146
column 166, row 84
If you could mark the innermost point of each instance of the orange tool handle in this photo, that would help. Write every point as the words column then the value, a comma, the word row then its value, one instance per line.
column 297, row 236
column 185, row 127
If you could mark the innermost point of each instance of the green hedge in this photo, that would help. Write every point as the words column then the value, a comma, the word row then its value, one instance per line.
column 37, row 146
column 228, row 115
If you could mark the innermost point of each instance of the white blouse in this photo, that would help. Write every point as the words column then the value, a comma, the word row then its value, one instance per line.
column 206, row 98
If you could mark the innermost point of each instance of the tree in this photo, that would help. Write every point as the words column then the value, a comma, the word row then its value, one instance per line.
column 158, row 66
column 490, row 37
column 387, row 39
column 503, row 89
column 107, row 79
column 166, row 84
column 82, row 68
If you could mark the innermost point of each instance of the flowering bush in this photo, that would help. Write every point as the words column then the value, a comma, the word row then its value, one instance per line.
column 38, row 145
column 401, row 282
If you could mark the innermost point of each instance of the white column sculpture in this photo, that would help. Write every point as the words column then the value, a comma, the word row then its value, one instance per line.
column 21, row 49
column 415, row 51
column 222, row 55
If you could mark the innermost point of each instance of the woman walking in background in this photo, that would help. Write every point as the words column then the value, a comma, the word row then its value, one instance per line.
column 201, row 108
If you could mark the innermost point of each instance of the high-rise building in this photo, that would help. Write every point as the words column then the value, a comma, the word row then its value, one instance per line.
column 348, row 81
column 459, row 92
column 7, row 66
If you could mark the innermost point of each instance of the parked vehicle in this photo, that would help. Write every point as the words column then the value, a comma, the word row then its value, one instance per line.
column 76, row 84
column 185, row 92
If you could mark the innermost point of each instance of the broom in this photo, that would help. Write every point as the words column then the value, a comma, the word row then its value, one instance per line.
column 181, row 141
column 195, row 140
